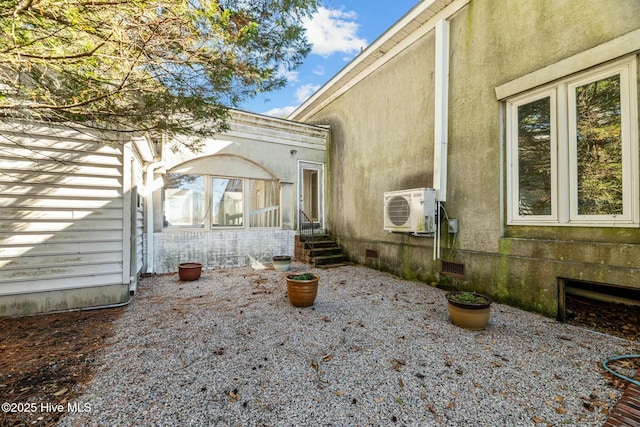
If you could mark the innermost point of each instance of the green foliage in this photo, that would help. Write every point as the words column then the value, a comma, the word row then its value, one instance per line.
column 599, row 147
column 466, row 297
column 145, row 65
column 303, row 276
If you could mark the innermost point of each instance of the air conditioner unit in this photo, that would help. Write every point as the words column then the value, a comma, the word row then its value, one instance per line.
column 410, row 211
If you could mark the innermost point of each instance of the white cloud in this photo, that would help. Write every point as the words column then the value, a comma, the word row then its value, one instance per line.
column 333, row 30
column 280, row 112
column 291, row 76
column 319, row 70
column 305, row 91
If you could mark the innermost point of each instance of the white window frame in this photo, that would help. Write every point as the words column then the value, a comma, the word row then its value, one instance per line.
column 564, row 210
column 513, row 149
column 208, row 200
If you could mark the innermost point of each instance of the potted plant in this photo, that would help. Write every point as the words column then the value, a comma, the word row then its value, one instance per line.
column 469, row 310
column 302, row 289
column 282, row 262
column 189, row 271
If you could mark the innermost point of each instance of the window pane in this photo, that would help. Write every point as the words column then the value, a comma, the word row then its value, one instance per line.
column 599, row 147
column 183, row 201
column 227, row 202
column 534, row 158
column 264, row 203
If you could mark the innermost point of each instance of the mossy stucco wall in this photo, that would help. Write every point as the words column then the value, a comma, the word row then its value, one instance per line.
column 382, row 140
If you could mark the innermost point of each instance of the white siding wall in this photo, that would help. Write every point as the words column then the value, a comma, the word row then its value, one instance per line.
column 61, row 210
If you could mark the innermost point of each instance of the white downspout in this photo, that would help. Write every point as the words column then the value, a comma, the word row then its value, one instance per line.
column 148, row 215
column 441, row 121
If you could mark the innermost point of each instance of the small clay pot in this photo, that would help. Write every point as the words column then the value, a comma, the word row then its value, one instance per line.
column 189, row 271
column 472, row 315
column 281, row 262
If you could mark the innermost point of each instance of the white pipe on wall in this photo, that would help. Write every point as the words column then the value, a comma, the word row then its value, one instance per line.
column 441, row 115
column 441, row 122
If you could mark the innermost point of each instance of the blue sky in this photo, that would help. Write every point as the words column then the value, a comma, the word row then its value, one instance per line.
column 338, row 30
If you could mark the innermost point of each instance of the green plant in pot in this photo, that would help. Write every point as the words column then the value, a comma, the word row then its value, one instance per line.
column 469, row 310
column 302, row 289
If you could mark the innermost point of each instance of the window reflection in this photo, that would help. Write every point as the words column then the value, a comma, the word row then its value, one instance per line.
column 228, row 204
column 534, row 158
column 184, row 201
column 599, row 147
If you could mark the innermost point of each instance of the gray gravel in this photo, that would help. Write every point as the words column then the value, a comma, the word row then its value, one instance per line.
column 374, row 350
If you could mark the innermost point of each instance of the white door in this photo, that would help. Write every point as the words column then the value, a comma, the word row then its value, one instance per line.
column 311, row 194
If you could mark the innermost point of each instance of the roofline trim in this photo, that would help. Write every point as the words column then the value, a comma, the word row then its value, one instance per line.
column 392, row 42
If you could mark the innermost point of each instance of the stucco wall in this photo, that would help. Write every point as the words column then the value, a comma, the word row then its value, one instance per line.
column 382, row 140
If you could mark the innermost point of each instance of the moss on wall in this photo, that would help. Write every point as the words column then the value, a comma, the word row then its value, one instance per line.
column 382, row 140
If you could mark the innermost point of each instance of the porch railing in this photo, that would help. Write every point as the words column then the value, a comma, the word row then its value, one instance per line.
column 306, row 227
column 265, row 217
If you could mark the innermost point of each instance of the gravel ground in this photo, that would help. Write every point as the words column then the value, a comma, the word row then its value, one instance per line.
column 374, row 350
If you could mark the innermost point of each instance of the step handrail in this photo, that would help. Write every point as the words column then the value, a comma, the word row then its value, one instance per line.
column 308, row 234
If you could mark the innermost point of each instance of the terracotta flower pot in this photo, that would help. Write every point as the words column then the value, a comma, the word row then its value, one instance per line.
column 302, row 289
column 469, row 310
column 281, row 262
column 189, row 271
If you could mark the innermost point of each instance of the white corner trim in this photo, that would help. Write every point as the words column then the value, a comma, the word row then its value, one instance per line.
column 596, row 55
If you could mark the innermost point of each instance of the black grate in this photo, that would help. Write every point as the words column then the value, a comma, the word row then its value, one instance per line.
column 452, row 268
column 370, row 253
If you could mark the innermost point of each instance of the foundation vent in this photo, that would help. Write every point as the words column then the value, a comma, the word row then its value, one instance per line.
column 452, row 268
column 370, row 253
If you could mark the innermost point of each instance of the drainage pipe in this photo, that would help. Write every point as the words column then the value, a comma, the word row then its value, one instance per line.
column 441, row 123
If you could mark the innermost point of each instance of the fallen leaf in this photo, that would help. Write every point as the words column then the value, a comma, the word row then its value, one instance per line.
column 429, row 408
column 327, row 357
column 559, row 399
column 397, row 364
column 400, row 383
column 451, row 405
column 337, row 393
column 379, row 400
column 561, row 410
column 60, row 392
column 235, row 396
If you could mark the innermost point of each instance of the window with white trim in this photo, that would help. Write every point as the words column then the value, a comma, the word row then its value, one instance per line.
column 572, row 150
column 194, row 201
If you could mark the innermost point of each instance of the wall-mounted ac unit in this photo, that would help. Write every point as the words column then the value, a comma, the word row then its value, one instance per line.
column 410, row 211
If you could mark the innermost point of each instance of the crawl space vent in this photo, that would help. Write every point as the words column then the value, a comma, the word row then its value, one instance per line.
column 452, row 268
column 370, row 253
